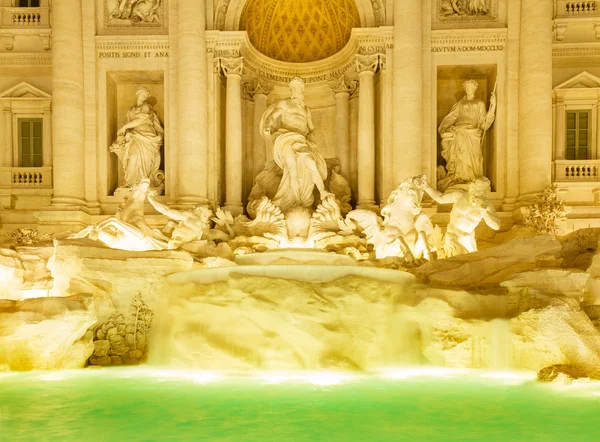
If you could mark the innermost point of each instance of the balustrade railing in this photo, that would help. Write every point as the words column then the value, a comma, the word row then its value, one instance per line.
column 24, row 17
column 31, row 177
column 573, row 170
column 580, row 8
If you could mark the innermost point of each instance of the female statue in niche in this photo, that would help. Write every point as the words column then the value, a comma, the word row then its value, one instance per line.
column 139, row 142
column 288, row 125
column 462, row 133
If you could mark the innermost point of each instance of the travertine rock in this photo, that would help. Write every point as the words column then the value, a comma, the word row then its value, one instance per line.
column 112, row 276
column 493, row 265
column 45, row 333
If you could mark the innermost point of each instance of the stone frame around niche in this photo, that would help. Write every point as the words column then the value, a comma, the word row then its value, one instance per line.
column 120, row 96
column 449, row 80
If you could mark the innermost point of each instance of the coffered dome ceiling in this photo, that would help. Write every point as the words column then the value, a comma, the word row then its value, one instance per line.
column 299, row 30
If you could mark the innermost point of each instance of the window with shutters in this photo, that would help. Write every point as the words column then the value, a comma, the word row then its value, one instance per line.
column 30, row 142
column 578, row 135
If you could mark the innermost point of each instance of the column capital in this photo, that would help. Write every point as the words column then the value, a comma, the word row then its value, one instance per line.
column 366, row 63
column 258, row 86
column 232, row 66
column 342, row 85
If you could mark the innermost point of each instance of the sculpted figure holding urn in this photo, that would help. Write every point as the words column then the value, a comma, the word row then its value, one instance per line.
column 139, row 142
column 462, row 132
column 288, row 126
column 469, row 209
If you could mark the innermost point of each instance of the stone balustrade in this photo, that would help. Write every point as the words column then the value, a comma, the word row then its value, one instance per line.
column 24, row 17
column 29, row 177
column 577, row 170
column 565, row 8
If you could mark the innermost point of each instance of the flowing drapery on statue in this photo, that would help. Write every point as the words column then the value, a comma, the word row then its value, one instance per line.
column 139, row 142
column 462, row 132
column 288, row 126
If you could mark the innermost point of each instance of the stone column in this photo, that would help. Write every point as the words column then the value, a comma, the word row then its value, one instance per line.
column 535, row 99
column 366, row 65
column 232, row 68
column 192, row 84
column 68, row 149
column 559, row 129
column 597, row 130
column 261, row 156
column 407, row 73
column 342, row 91
column 6, row 157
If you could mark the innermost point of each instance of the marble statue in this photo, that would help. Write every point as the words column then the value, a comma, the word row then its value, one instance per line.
column 468, row 210
column 139, row 142
column 288, row 126
column 404, row 229
column 185, row 226
column 128, row 229
column 462, row 132
column 137, row 11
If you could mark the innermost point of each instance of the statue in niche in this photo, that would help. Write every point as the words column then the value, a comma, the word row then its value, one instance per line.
column 469, row 209
column 184, row 226
column 128, row 229
column 137, row 11
column 288, row 126
column 464, row 7
column 462, row 132
column 404, row 229
column 139, row 142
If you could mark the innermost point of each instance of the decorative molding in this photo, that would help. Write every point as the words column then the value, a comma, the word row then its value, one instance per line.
column 24, row 90
column 342, row 85
column 465, row 16
column 258, row 86
column 559, row 29
column 156, row 15
column 480, row 40
column 232, row 66
column 576, row 50
column 366, row 63
column 133, row 47
column 24, row 59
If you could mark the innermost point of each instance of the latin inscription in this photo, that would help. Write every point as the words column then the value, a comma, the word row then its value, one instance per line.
column 133, row 54
column 475, row 48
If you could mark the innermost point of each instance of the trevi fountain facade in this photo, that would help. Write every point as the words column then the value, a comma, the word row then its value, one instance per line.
column 300, row 185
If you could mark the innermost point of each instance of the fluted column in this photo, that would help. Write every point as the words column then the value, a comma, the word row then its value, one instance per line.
column 232, row 68
column 192, row 84
column 68, row 150
column 260, row 91
column 366, row 65
column 342, row 91
column 559, row 129
column 407, row 72
column 535, row 99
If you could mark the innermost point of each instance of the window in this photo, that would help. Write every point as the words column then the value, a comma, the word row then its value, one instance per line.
column 578, row 135
column 28, row 3
column 30, row 142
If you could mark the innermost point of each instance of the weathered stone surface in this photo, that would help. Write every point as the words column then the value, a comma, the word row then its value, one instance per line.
column 113, row 276
column 556, row 334
column 493, row 265
column 101, row 348
column 551, row 281
column 553, row 373
column 44, row 333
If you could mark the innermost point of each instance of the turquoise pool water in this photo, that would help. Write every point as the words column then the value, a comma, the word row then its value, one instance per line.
column 154, row 405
